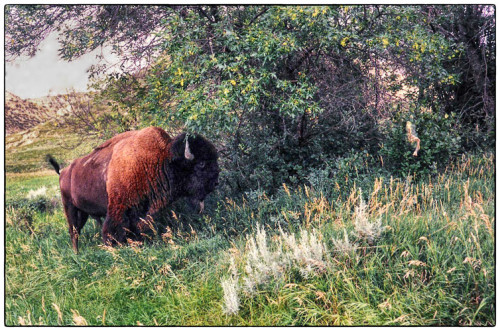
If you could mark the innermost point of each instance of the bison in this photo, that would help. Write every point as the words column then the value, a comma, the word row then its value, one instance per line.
column 132, row 175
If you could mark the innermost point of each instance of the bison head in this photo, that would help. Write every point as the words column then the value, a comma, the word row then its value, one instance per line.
column 194, row 172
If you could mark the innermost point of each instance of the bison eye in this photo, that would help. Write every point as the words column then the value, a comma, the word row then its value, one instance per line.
column 200, row 165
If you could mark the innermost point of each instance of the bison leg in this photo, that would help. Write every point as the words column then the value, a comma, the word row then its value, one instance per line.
column 113, row 232
column 76, row 220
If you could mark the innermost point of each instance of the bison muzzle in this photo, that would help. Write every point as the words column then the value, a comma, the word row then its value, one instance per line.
column 133, row 175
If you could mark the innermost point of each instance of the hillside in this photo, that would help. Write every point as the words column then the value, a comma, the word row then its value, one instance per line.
column 32, row 132
column 25, row 150
column 34, row 129
column 23, row 114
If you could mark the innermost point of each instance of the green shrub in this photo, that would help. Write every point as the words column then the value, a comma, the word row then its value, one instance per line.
column 21, row 212
column 342, row 174
column 439, row 144
column 265, row 157
column 478, row 138
column 36, row 204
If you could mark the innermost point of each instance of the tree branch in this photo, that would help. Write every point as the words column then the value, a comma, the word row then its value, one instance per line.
column 258, row 15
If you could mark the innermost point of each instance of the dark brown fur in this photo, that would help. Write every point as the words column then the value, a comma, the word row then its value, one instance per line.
column 132, row 175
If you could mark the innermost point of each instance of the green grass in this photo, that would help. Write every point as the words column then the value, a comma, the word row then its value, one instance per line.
column 18, row 185
column 434, row 264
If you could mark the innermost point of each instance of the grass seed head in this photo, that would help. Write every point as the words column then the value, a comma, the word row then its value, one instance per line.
column 231, row 298
column 344, row 246
column 369, row 231
column 78, row 319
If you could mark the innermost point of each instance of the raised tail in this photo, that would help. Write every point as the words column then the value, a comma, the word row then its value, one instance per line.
column 53, row 162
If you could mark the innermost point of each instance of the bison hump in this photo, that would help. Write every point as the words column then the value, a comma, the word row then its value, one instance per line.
column 111, row 142
column 135, row 170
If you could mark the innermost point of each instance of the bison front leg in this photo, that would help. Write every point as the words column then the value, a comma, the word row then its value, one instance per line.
column 113, row 232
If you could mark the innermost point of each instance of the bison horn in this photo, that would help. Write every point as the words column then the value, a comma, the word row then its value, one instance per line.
column 187, row 152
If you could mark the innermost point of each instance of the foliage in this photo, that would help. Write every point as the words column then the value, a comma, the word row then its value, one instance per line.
column 89, row 117
column 23, row 208
column 471, row 65
column 90, row 27
column 439, row 144
column 36, row 204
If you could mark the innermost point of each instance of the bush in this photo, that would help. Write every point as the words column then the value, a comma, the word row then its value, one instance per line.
column 38, row 203
column 476, row 138
column 439, row 144
column 264, row 157
column 21, row 211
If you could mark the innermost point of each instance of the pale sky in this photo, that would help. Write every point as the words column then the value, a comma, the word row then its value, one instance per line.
column 45, row 72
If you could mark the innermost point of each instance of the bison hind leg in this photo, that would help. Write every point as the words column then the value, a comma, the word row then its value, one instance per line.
column 76, row 220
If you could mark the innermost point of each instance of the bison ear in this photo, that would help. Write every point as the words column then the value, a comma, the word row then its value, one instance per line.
column 187, row 151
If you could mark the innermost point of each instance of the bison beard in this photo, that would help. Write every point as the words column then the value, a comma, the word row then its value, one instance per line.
column 132, row 175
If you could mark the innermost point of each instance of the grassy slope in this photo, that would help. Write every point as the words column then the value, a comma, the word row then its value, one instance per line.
column 433, row 266
column 25, row 151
